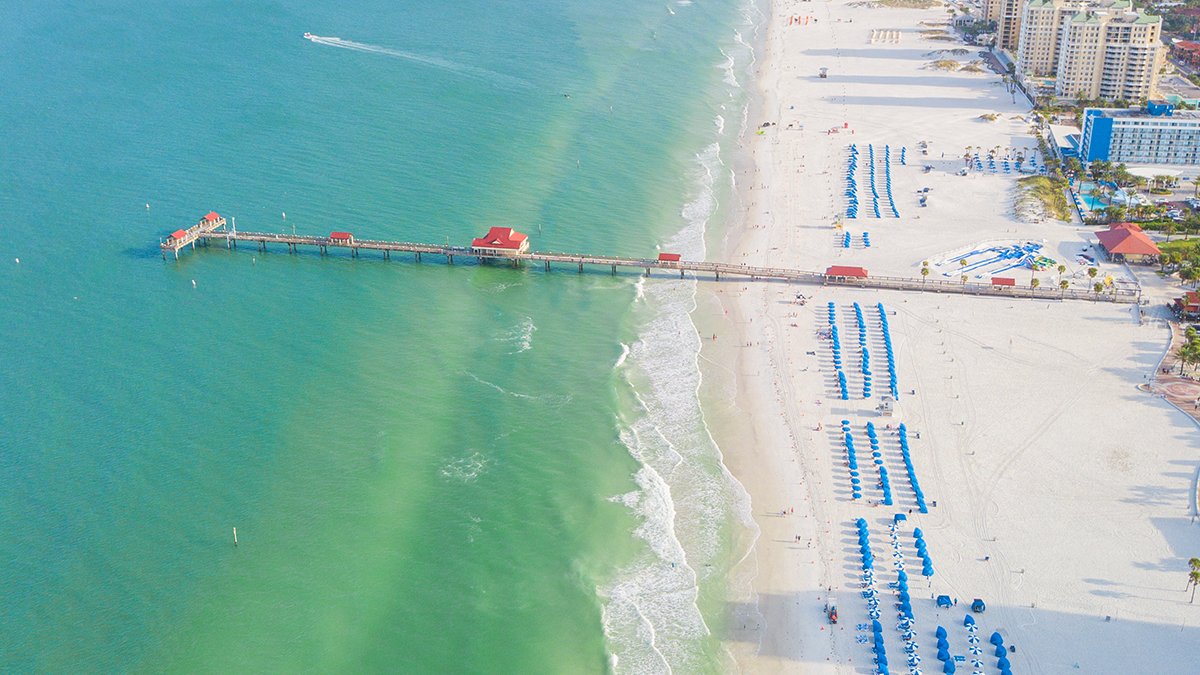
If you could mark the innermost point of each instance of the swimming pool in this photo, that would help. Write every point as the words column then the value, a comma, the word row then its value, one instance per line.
column 1085, row 196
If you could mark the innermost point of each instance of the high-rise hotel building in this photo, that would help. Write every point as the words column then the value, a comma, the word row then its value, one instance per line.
column 1094, row 48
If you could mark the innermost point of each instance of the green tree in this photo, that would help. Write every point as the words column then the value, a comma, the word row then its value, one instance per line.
column 1187, row 273
column 1194, row 577
column 1063, row 285
column 1034, row 283
column 1062, row 269
column 924, row 274
column 1092, row 272
column 1096, row 288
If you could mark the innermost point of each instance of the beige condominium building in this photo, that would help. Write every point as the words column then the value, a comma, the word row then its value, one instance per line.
column 1007, row 15
column 1109, row 53
column 1041, row 31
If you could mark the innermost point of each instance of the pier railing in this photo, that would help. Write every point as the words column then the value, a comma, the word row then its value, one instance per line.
column 716, row 269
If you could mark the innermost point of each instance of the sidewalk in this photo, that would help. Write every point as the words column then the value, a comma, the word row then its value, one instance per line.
column 1183, row 391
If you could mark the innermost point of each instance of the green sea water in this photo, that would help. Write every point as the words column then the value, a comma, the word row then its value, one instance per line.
column 431, row 468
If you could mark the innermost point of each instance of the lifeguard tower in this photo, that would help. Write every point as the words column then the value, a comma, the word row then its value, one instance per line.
column 887, row 405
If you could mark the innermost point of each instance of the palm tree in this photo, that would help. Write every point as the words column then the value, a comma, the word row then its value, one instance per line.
column 1188, row 354
column 924, row 274
column 964, row 279
column 1194, row 578
column 1034, row 283
column 1169, row 228
column 1062, row 269
column 1096, row 288
column 1092, row 272
column 1063, row 285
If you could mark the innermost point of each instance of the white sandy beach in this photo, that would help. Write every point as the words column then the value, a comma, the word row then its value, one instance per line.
column 1063, row 493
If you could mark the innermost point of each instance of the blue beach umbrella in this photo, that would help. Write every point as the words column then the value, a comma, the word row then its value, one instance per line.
column 940, row 633
column 996, row 639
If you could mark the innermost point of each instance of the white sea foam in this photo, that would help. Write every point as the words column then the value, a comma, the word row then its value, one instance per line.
column 686, row 497
column 621, row 359
column 465, row 469
column 434, row 61
column 639, row 289
column 520, row 336
column 555, row 400
column 730, row 78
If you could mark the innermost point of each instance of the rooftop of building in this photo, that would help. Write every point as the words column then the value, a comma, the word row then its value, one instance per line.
column 1121, row 11
column 1142, row 113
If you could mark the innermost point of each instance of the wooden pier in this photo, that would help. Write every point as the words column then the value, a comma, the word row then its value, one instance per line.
column 210, row 230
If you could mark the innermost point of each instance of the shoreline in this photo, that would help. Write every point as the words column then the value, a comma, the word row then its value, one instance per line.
column 995, row 455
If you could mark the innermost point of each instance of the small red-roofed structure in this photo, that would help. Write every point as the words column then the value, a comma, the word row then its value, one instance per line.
column 1187, row 307
column 668, row 257
column 502, row 241
column 1004, row 281
column 341, row 238
column 212, row 217
column 176, row 236
column 845, row 272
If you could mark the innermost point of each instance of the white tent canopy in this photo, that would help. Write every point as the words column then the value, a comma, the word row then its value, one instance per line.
column 1153, row 172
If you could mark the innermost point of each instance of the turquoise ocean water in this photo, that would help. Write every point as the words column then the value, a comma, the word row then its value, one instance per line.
column 431, row 468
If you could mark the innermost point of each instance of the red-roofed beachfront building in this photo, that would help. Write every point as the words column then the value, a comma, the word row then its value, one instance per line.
column 1187, row 307
column 669, row 257
column 501, row 241
column 1127, row 242
column 344, row 238
column 844, row 272
column 1004, row 281
column 176, row 237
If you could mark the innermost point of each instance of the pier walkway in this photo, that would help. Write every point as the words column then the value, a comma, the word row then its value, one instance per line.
column 217, row 233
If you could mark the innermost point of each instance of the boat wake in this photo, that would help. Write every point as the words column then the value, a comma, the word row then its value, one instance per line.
column 432, row 61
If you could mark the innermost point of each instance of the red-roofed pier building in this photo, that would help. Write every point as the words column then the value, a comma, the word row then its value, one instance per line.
column 180, row 238
column 501, row 241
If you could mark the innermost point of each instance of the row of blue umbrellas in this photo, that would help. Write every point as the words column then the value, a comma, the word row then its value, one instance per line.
column 923, row 552
column 871, row 169
column 904, row 622
column 868, row 567
column 836, row 343
column 903, row 151
column 887, row 345
column 887, row 178
column 884, row 482
column 912, row 472
column 866, row 236
column 851, row 461
column 973, row 643
column 851, row 187
column 862, row 344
